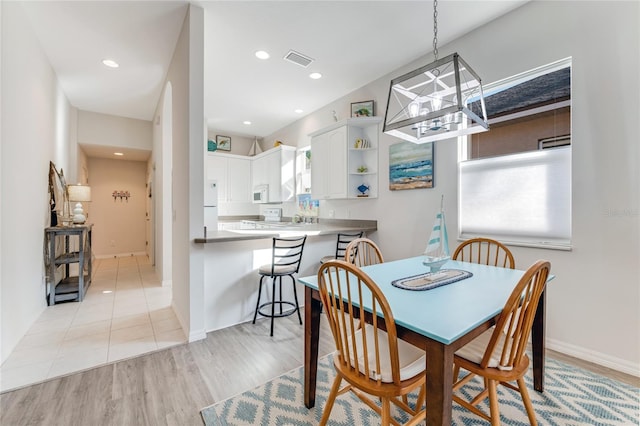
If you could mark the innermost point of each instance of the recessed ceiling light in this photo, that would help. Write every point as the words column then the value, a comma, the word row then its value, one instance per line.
column 110, row 63
column 247, row 122
column 119, row 154
column 315, row 75
column 261, row 54
column 298, row 111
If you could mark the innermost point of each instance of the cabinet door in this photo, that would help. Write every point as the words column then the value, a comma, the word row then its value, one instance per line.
column 274, row 166
column 337, row 163
column 239, row 180
column 319, row 167
column 287, row 174
column 259, row 171
column 217, row 169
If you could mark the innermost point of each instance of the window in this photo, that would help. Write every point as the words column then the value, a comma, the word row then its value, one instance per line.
column 515, row 179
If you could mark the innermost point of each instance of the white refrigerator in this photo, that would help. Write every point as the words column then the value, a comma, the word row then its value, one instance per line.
column 211, row 205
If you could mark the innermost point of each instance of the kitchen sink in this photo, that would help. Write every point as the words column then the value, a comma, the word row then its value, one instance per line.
column 261, row 224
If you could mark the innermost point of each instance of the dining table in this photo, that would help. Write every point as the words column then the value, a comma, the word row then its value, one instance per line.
column 440, row 320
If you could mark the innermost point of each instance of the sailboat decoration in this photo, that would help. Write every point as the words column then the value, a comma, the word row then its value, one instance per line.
column 437, row 251
column 255, row 148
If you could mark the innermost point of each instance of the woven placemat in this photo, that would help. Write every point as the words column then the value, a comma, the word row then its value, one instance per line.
column 431, row 279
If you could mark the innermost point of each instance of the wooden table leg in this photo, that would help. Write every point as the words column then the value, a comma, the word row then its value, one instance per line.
column 439, row 383
column 538, row 343
column 312, row 307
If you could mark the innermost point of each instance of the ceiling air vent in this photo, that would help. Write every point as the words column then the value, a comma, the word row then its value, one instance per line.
column 298, row 58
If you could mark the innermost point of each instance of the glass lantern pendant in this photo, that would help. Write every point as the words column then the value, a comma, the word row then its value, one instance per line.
column 440, row 100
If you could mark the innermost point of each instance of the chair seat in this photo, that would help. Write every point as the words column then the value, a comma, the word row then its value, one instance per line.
column 277, row 270
column 412, row 359
column 475, row 349
column 327, row 258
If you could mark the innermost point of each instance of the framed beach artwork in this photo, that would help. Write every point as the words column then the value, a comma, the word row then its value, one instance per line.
column 362, row 109
column 223, row 143
column 410, row 166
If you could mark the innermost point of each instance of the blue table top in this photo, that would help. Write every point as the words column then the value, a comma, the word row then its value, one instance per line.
column 444, row 313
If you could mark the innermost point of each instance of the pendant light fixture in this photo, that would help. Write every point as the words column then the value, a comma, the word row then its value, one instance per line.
column 440, row 100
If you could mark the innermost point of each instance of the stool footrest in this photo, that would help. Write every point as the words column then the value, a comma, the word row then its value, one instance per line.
column 277, row 315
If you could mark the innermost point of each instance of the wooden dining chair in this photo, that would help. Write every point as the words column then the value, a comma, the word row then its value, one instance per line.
column 485, row 251
column 363, row 252
column 498, row 355
column 373, row 362
column 342, row 242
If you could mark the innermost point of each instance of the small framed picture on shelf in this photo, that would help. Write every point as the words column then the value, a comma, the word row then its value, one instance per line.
column 223, row 143
column 362, row 109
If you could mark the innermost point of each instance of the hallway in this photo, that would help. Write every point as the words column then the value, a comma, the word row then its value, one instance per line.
column 125, row 313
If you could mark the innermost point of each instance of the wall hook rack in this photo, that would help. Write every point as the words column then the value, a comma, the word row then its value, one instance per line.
column 120, row 195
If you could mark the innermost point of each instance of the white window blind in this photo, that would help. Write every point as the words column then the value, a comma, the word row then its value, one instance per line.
column 520, row 198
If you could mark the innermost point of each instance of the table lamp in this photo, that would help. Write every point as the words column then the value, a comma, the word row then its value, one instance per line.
column 79, row 193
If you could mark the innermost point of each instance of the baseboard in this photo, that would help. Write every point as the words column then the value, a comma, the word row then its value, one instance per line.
column 193, row 335
column 196, row 335
column 111, row 256
column 604, row 360
column 185, row 329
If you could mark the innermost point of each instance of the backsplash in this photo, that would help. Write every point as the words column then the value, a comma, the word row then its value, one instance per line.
column 306, row 206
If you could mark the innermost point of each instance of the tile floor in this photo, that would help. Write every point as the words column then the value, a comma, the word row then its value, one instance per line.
column 126, row 312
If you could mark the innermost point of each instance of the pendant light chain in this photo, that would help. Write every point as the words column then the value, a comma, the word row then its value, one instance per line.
column 435, row 29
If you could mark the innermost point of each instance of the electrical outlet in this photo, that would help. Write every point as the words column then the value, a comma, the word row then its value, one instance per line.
column 113, row 243
column 332, row 213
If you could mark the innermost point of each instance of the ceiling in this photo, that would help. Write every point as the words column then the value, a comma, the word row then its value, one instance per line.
column 352, row 43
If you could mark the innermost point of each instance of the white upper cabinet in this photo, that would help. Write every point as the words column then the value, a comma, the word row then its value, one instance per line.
column 276, row 168
column 344, row 159
column 233, row 173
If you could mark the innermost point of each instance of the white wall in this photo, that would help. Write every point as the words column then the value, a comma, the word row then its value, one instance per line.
column 188, row 136
column 161, row 160
column 195, row 171
column 35, row 130
column 114, row 233
column 119, row 224
column 110, row 130
column 2, row 356
column 594, row 302
column 240, row 145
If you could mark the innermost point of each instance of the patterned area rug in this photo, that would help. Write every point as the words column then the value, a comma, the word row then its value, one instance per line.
column 572, row 397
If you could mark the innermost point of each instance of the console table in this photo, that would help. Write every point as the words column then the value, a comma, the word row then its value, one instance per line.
column 76, row 249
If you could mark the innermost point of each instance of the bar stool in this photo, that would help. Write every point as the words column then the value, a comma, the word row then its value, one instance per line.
column 341, row 245
column 286, row 254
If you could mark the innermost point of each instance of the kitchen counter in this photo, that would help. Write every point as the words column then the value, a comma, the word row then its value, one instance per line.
column 232, row 258
column 288, row 229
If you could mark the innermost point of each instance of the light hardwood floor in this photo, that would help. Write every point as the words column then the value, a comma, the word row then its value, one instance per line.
column 171, row 386
column 167, row 387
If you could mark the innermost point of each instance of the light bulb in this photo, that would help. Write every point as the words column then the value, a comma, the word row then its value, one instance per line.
column 414, row 108
column 436, row 101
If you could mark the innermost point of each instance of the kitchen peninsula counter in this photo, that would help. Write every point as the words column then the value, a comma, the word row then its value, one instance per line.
column 283, row 229
column 232, row 258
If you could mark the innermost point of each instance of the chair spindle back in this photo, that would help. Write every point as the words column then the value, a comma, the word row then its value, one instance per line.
column 363, row 252
column 516, row 320
column 345, row 291
column 485, row 251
